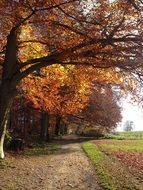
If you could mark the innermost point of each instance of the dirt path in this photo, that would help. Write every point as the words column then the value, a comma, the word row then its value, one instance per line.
column 72, row 170
column 67, row 170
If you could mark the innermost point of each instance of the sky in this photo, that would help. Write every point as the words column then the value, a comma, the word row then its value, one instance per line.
column 133, row 113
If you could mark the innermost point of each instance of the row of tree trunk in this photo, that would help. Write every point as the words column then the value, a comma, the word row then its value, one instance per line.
column 26, row 122
column 45, row 126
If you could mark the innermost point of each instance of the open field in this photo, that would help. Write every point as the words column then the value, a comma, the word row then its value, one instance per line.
column 133, row 135
column 119, row 163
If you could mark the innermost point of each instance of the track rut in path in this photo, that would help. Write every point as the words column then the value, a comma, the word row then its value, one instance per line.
column 72, row 170
column 68, row 169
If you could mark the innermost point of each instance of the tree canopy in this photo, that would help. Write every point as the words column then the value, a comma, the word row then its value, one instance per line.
column 103, row 34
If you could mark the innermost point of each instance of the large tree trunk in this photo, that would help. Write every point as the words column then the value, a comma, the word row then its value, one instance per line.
column 44, row 126
column 6, row 98
column 57, row 126
column 8, row 84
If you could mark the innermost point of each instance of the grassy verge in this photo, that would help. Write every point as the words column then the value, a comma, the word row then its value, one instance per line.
column 40, row 149
column 98, row 158
column 113, row 175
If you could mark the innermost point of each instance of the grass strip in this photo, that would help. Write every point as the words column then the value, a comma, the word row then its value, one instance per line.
column 97, row 157
column 43, row 149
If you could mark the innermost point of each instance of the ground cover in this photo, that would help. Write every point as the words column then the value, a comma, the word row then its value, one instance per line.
column 119, row 163
column 62, row 166
column 133, row 135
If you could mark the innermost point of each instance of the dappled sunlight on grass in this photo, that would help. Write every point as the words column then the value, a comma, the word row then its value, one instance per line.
column 42, row 149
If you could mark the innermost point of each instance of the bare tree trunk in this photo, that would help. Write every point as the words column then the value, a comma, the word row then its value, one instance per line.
column 6, row 98
column 44, row 126
column 57, row 126
column 3, row 132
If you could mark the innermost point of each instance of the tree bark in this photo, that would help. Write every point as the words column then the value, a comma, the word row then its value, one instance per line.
column 8, row 84
column 44, row 126
column 6, row 98
column 57, row 126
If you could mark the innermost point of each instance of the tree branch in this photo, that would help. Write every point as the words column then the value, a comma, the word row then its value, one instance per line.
column 42, row 9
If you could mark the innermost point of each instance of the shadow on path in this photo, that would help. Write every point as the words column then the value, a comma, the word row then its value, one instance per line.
column 68, row 139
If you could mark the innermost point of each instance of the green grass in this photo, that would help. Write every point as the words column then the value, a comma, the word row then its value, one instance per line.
column 113, row 175
column 43, row 148
column 134, row 135
column 39, row 149
column 98, row 158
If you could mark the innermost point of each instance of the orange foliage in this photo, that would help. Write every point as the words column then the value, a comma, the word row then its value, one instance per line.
column 58, row 89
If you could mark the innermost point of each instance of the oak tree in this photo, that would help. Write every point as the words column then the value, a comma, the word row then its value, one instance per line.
column 104, row 34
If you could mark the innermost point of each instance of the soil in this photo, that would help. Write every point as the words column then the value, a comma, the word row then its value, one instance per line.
column 66, row 170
